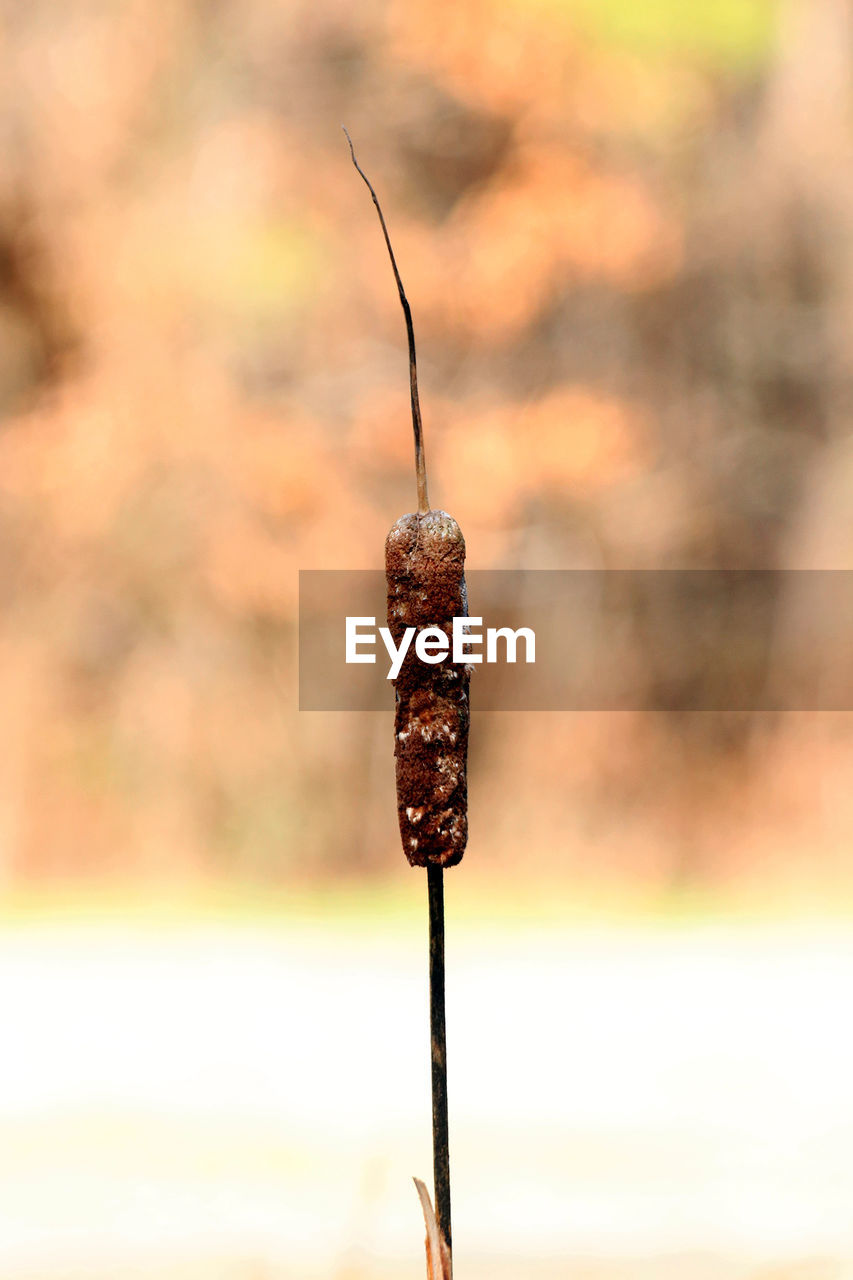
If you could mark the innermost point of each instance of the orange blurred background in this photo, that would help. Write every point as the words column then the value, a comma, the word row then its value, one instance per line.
column 625, row 234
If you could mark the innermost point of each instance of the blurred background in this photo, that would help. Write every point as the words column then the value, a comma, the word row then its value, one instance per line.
column 626, row 232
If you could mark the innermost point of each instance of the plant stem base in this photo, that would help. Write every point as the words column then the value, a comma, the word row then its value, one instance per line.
column 438, row 1038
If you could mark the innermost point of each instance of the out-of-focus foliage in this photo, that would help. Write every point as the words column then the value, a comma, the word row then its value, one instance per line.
column 722, row 33
column 625, row 233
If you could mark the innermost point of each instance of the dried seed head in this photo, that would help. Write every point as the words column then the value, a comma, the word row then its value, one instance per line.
column 424, row 567
column 425, row 563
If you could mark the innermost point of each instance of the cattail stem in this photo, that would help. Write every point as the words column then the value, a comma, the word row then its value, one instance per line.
column 438, row 1044
column 417, row 425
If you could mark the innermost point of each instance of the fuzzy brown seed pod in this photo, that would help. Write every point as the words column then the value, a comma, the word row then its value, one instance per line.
column 425, row 576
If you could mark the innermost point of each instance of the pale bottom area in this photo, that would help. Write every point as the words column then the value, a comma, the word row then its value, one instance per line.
column 250, row 1104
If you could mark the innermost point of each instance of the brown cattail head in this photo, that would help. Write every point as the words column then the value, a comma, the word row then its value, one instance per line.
column 425, row 575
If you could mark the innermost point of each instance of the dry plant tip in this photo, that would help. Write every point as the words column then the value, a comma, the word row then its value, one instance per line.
column 417, row 425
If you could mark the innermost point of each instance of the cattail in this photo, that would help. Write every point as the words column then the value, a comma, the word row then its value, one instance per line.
column 424, row 568
column 425, row 578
